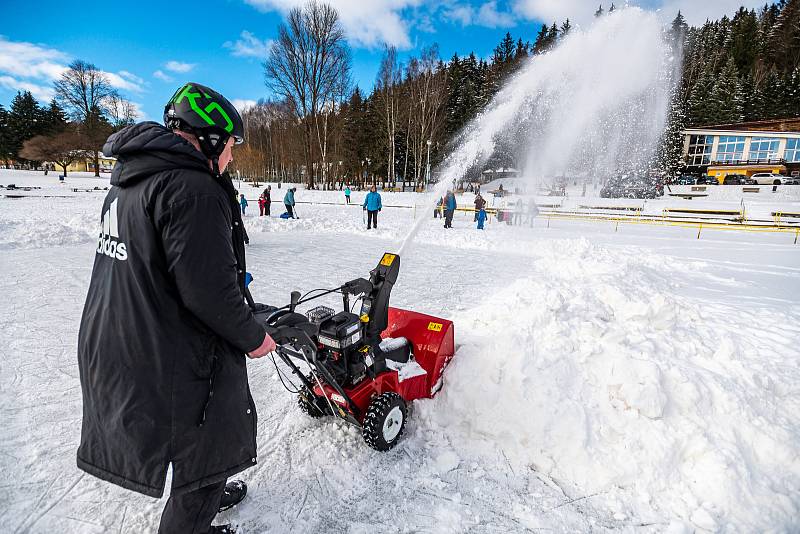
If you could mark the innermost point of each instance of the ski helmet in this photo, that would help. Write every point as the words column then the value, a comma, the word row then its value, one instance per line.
column 201, row 111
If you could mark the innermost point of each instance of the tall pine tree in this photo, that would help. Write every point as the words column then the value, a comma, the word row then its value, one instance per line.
column 55, row 118
column 700, row 112
column 5, row 137
column 724, row 106
column 26, row 119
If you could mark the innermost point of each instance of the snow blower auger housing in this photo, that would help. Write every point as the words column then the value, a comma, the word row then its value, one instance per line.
column 364, row 368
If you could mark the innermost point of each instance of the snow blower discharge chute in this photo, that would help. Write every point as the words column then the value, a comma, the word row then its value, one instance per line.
column 364, row 368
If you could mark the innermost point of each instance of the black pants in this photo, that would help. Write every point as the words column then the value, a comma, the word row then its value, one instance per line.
column 193, row 512
column 372, row 219
column 289, row 211
column 266, row 208
column 448, row 218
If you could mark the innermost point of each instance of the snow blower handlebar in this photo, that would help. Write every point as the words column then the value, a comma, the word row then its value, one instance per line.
column 309, row 339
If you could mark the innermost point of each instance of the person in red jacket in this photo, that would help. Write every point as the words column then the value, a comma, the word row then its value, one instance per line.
column 261, row 205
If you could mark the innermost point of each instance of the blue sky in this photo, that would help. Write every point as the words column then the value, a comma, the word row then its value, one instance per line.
column 150, row 49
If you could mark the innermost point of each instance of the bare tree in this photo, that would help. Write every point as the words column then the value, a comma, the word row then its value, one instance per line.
column 85, row 92
column 327, row 125
column 306, row 66
column 273, row 135
column 121, row 112
column 61, row 148
column 388, row 98
column 427, row 84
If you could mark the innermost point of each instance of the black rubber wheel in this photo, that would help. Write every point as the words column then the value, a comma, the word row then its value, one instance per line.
column 776, row 182
column 385, row 421
column 306, row 406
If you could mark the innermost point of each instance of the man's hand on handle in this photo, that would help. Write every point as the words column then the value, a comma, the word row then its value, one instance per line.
column 267, row 346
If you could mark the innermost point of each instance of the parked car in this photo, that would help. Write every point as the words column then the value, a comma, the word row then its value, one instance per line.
column 734, row 179
column 685, row 180
column 768, row 178
column 707, row 180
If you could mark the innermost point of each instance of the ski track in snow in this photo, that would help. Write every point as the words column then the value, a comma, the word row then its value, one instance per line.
column 631, row 381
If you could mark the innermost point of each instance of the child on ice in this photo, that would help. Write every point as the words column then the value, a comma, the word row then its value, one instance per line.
column 242, row 202
column 481, row 218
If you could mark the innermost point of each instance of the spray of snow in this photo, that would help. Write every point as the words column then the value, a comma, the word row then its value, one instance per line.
column 595, row 105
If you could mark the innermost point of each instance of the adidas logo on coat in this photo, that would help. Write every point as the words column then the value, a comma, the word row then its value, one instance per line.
column 109, row 243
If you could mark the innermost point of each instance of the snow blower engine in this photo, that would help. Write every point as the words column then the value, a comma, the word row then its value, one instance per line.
column 364, row 368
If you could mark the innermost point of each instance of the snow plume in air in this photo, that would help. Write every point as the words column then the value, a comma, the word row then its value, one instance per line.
column 594, row 106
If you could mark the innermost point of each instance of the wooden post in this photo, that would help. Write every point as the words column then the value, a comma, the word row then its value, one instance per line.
column 699, row 229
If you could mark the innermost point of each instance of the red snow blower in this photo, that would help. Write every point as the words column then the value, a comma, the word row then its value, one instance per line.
column 364, row 368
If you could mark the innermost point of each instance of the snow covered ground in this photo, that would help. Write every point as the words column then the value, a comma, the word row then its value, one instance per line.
column 638, row 380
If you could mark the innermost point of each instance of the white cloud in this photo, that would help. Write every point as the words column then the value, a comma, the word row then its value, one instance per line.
column 367, row 23
column 461, row 13
column 43, row 93
column 119, row 82
column 132, row 77
column 249, row 46
column 162, row 76
column 28, row 66
column 491, row 18
column 29, row 60
column 177, row 66
column 486, row 15
column 242, row 104
column 549, row 11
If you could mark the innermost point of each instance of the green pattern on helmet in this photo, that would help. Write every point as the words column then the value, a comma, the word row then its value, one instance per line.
column 203, row 113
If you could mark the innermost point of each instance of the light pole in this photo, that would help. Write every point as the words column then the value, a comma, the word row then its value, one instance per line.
column 428, row 167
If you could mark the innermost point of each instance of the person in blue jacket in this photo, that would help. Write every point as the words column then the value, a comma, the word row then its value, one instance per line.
column 481, row 218
column 347, row 194
column 288, row 201
column 449, row 209
column 243, row 203
column 373, row 205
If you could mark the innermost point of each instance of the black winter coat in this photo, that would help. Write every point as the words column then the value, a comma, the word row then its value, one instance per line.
column 165, row 328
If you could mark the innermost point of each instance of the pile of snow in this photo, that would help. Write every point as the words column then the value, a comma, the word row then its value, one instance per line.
column 48, row 222
column 593, row 371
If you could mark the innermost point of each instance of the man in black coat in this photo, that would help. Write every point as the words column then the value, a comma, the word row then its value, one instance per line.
column 165, row 328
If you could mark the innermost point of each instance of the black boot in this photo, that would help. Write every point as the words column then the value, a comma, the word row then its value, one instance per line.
column 234, row 494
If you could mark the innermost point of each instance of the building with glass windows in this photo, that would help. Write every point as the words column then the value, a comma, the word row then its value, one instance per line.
column 744, row 148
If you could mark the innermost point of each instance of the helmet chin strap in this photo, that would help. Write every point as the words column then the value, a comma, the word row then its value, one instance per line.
column 212, row 150
column 212, row 145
